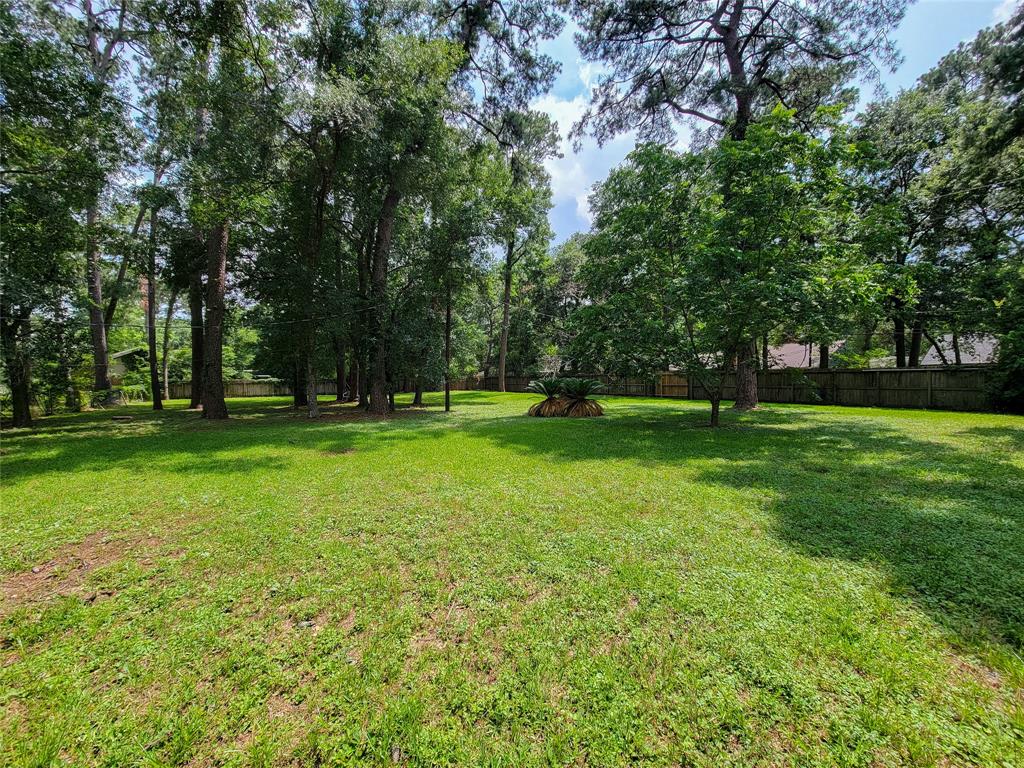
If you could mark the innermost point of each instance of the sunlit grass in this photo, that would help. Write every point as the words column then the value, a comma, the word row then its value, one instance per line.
column 805, row 586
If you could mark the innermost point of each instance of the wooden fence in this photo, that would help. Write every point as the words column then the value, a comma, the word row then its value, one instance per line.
column 182, row 390
column 961, row 388
column 612, row 385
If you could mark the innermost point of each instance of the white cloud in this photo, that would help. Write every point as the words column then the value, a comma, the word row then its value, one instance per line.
column 1004, row 10
column 574, row 174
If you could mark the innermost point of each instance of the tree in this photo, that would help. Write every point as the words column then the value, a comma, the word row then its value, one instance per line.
column 670, row 275
column 523, row 197
column 725, row 63
column 44, row 94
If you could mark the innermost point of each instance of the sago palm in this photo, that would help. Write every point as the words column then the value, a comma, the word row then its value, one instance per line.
column 577, row 392
column 552, row 404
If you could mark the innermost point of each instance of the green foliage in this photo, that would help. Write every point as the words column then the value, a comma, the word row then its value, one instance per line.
column 577, row 393
column 552, row 404
column 694, row 253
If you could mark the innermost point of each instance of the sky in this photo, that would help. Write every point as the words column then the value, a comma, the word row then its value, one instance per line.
column 929, row 30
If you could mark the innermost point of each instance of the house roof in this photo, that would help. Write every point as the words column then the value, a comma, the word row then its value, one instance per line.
column 974, row 349
column 126, row 352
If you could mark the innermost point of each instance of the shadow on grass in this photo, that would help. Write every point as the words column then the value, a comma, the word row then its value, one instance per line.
column 944, row 519
column 945, row 522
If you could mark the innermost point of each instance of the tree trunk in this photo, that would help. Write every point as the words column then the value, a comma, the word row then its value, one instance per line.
column 195, row 311
column 915, row 344
column 97, row 326
column 378, row 296
column 63, row 362
column 506, row 301
column 956, row 348
column 164, row 352
column 417, row 398
column 122, row 269
column 17, row 365
column 339, row 369
column 716, row 405
column 312, row 403
column 823, row 356
column 938, row 347
column 353, row 379
column 899, row 335
column 154, row 366
column 300, row 395
column 869, row 336
column 746, row 376
column 214, row 406
column 364, row 395
column 448, row 348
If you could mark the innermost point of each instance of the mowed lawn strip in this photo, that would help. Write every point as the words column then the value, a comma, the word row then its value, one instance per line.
column 804, row 586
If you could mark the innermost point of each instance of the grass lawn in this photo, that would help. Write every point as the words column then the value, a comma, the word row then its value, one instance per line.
column 805, row 586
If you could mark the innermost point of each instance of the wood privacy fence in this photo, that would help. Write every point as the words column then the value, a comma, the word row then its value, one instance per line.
column 963, row 388
column 182, row 390
column 612, row 385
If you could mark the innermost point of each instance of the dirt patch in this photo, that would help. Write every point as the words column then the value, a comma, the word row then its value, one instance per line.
column 279, row 707
column 446, row 626
column 978, row 672
column 338, row 451
column 67, row 571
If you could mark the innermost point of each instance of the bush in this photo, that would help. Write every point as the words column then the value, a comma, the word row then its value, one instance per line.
column 552, row 404
column 577, row 394
column 566, row 397
column 1006, row 389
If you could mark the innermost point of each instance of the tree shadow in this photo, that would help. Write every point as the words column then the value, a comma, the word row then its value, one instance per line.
column 172, row 440
column 943, row 518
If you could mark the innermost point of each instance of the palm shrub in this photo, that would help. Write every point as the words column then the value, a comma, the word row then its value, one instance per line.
column 552, row 404
column 577, row 392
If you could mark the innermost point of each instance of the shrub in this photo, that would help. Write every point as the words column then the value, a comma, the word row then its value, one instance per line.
column 577, row 394
column 552, row 404
column 1006, row 388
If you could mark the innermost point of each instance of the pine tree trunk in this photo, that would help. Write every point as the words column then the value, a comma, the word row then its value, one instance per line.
column 823, row 356
column 196, row 321
column 353, row 380
column 956, row 348
column 379, row 403
column 339, row 368
column 300, row 394
column 506, row 301
column 214, row 406
column 97, row 326
column 312, row 403
column 746, row 376
column 154, row 366
column 364, row 395
column 417, row 398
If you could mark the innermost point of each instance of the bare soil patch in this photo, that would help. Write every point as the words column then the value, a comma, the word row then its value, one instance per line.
column 66, row 572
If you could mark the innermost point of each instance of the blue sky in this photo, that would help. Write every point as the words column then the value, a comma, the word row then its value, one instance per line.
column 929, row 30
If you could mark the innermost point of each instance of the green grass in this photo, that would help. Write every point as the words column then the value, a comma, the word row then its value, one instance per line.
column 805, row 586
